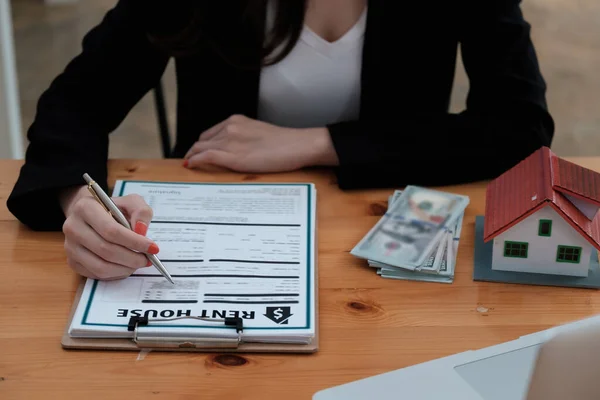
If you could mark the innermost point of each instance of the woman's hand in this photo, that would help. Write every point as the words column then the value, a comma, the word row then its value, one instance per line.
column 247, row 145
column 97, row 246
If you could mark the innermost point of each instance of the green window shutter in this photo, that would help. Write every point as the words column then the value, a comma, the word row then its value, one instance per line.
column 515, row 249
column 545, row 227
column 568, row 254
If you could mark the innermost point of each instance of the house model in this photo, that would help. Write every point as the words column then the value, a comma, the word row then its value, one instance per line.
column 542, row 216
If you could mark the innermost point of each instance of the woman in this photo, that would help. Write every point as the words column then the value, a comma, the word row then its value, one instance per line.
column 267, row 86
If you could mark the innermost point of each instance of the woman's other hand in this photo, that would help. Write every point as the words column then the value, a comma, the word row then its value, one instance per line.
column 246, row 145
column 97, row 246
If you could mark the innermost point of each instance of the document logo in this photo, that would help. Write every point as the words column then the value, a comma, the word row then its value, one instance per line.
column 279, row 315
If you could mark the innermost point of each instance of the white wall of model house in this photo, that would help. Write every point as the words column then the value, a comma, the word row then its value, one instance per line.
column 542, row 250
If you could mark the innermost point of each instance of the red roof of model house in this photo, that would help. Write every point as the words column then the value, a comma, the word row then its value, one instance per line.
column 543, row 179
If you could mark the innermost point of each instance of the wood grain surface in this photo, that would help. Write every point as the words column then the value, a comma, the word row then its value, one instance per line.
column 368, row 325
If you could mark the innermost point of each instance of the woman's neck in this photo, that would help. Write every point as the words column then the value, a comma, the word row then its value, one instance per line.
column 331, row 19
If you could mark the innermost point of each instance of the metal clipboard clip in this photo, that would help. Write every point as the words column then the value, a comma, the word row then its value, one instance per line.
column 145, row 340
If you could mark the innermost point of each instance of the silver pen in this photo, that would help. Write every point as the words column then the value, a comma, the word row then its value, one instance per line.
column 113, row 210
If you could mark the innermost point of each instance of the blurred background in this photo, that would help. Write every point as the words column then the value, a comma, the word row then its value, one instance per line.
column 566, row 34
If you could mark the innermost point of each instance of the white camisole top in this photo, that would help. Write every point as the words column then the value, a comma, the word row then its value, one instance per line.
column 317, row 84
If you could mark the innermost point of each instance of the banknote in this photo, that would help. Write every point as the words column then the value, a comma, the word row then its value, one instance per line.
column 426, row 272
column 449, row 257
column 444, row 265
column 429, row 262
column 456, row 241
column 434, row 260
column 445, row 274
column 428, row 266
column 415, row 222
column 414, row 276
column 441, row 259
column 444, row 262
column 392, row 199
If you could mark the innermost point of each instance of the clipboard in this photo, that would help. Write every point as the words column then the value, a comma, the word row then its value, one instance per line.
column 179, row 345
column 70, row 343
column 182, row 345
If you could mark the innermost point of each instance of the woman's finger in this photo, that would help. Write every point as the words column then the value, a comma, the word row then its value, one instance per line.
column 100, row 268
column 110, row 252
column 200, row 147
column 80, row 269
column 206, row 136
column 83, row 271
column 215, row 130
column 139, row 212
column 113, row 232
column 212, row 157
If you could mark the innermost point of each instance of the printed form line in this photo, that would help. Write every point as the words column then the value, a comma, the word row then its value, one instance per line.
column 224, row 223
column 218, row 276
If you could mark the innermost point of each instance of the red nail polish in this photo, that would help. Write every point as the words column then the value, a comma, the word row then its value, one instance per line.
column 185, row 163
column 149, row 264
column 141, row 228
column 153, row 249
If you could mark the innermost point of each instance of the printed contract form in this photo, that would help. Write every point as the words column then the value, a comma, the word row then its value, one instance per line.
column 234, row 250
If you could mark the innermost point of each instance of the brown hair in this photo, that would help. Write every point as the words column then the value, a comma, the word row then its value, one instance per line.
column 194, row 24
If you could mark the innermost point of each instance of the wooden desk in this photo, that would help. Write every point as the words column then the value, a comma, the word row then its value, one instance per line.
column 368, row 325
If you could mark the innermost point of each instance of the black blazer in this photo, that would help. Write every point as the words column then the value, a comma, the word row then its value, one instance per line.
column 404, row 135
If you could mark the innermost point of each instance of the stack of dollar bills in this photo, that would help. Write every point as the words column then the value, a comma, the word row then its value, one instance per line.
column 417, row 238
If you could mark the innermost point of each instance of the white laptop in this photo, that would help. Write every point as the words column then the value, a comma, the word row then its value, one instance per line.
column 559, row 363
